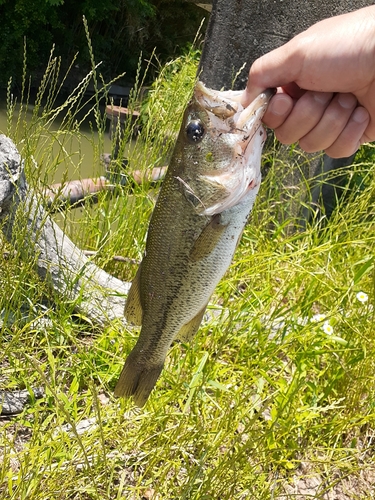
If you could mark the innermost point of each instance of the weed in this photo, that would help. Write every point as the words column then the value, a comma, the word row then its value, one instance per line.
column 279, row 379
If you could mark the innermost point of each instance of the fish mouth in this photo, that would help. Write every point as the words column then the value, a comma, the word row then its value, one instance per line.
column 216, row 101
column 227, row 104
column 246, row 135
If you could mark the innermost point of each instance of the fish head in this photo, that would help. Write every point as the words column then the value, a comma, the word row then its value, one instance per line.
column 221, row 148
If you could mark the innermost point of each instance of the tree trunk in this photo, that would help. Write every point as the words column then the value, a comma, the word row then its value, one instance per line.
column 240, row 31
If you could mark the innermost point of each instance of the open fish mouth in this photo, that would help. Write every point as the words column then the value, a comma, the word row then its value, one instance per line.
column 244, row 133
column 227, row 105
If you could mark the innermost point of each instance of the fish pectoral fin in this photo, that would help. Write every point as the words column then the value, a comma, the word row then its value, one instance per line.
column 133, row 307
column 208, row 238
column 188, row 331
column 137, row 380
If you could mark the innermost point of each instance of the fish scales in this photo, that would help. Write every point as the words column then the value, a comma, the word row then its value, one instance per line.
column 199, row 216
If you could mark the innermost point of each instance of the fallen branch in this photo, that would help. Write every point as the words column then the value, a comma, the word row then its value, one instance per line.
column 96, row 294
column 76, row 192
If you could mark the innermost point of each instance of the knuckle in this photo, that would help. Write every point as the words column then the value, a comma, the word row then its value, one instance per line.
column 341, row 149
column 285, row 136
column 309, row 145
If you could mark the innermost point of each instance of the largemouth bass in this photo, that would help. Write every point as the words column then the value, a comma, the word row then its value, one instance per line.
column 202, row 208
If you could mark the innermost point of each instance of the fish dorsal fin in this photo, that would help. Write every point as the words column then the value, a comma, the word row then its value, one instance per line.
column 133, row 307
column 188, row 331
column 208, row 238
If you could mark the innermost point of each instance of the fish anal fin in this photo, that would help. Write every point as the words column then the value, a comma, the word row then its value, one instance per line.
column 208, row 238
column 137, row 380
column 188, row 331
column 133, row 306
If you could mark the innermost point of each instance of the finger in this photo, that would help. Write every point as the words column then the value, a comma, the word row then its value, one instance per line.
column 278, row 110
column 352, row 136
column 275, row 69
column 331, row 125
column 305, row 115
column 250, row 93
column 293, row 90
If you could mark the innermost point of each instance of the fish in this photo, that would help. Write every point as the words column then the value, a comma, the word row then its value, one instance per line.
column 203, row 205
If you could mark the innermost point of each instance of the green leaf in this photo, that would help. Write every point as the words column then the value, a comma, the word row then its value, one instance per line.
column 365, row 268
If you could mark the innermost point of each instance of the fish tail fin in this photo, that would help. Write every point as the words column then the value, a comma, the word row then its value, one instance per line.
column 137, row 380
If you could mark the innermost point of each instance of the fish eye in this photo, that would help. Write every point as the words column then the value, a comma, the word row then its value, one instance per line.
column 195, row 131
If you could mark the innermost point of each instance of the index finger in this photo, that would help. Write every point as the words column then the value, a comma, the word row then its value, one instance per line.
column 278, row 68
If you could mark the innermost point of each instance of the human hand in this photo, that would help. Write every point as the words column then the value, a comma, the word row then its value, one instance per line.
column 325, row 80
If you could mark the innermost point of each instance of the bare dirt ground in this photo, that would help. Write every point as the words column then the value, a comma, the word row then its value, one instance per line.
column 331, row 485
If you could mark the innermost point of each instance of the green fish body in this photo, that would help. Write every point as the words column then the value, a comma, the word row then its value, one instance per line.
column 202, row 208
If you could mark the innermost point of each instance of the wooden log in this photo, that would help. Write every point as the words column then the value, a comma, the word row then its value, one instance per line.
column 76, row 191
column 74, row 277
column 13, row 402
column 155, row 175
column 120, row 113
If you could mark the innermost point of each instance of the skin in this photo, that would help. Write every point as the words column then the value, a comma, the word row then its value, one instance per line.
column 325, row 80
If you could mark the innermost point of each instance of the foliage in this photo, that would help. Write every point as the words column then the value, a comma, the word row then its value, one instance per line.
column 277, row 384
column 121, row 31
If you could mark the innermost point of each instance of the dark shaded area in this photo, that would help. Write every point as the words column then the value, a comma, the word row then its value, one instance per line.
column 120, row 31
column 331, row 187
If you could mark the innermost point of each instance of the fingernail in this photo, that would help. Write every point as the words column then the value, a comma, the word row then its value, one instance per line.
column 360, row 115
column 280, row 105
column 347, row 100
column 322, row 97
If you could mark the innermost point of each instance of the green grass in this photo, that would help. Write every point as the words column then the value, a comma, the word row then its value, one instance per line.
column 268, row 390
